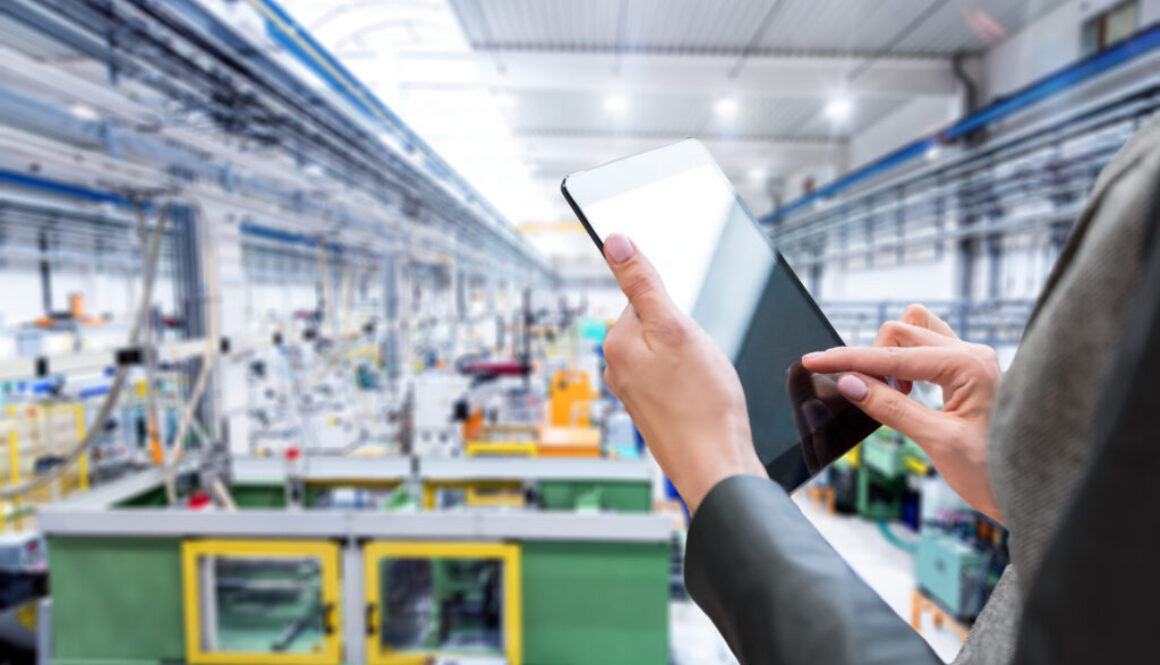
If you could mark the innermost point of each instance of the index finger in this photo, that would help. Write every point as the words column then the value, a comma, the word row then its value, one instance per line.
column 925, row 363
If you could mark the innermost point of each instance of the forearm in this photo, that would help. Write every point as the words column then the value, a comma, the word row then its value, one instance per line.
column 779, row 593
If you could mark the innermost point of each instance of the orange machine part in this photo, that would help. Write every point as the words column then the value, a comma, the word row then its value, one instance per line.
column 473, row 426
column 569, row 388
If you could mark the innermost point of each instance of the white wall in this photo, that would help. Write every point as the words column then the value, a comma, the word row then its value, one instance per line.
column 1149, row 12
column 917, row 117
column 922, row 280
column 1048, row 44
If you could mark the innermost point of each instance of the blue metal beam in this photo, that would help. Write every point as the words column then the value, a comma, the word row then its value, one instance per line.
column 87, row 194
column 65, row 189
column 1143, row 42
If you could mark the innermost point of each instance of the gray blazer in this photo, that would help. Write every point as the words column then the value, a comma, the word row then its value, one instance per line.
column 779, row 594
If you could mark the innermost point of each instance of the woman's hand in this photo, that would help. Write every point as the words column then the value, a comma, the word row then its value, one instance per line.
column 680, row 389
column 922, row 347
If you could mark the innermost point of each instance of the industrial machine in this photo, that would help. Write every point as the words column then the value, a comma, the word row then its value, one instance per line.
column 436, row 431
column 23, row 567
column 952, row 573
column 269, row 583
column 886, row 462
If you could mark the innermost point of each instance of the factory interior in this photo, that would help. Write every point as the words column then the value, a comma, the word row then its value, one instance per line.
column 301, row 347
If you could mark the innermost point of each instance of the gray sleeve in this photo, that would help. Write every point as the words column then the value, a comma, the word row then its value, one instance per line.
column 778, row 593
column 992, row 637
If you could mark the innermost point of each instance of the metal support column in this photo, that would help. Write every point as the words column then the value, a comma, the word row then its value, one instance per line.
column 189, row 294
column 391, row 315
column 231, row 377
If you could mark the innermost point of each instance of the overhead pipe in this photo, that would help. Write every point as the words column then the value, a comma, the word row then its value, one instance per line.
column 87, row 194
column 1063, row 79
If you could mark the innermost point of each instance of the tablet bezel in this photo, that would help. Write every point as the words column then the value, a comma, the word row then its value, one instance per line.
column 633, row 172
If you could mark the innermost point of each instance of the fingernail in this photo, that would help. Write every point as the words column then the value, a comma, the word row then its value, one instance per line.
column 812, row 355
column 618, row 248
column 853, row 388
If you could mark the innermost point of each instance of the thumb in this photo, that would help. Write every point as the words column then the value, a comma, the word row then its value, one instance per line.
column 637, row 277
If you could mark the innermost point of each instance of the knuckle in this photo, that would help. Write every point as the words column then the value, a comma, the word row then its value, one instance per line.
column 986, row 359
column 894, row 357
column 614, row 351
column 913, row 310
column 891, row 408
column 674, row 329
column 637, row 283
column 889, row 330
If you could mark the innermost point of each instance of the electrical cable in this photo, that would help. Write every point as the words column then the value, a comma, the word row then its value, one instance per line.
column 106, row 410
column 894, row 539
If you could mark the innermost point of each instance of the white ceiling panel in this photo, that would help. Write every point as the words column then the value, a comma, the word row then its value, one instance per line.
column 514, row 92
column 741, row 26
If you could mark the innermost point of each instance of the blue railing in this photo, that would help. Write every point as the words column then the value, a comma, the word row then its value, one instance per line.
column 1143, row 42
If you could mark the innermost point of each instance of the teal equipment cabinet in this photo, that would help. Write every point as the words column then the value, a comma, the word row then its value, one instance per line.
column 951, row 573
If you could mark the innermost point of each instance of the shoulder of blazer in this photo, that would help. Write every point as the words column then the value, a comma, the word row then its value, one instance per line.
column 1131, row 156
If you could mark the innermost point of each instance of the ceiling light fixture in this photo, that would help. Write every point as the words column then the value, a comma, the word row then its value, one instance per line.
column 615, row 103
column 839, row 109
column 757, row 174
column 84, row 112
column 726, row 106
column 506, row 100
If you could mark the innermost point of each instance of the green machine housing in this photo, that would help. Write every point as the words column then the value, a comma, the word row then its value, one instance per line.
column 951, row 573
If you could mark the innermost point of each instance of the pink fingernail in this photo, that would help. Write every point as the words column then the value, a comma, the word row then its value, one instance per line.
column 618, row 248
column 812, row 355
column 853, row 388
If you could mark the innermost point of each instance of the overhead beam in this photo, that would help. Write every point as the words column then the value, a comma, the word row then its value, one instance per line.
column 741, row 152
column 519, row 71
column 586, row 150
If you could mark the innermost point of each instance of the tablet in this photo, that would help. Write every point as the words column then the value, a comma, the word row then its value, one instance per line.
column 721, row 268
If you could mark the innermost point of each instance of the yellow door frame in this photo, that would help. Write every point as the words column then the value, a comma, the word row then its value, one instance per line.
column 513, row 619
column 476, row 492
column 328, row 555
column 500, row 448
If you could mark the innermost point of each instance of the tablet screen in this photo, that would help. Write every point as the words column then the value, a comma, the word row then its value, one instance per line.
column 719, row 267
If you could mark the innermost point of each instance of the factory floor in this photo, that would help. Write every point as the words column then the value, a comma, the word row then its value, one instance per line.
column 888, row 569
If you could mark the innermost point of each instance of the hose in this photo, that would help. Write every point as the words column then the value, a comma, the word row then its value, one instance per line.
column 222, row 494
column 119, row 377
column 894, row 539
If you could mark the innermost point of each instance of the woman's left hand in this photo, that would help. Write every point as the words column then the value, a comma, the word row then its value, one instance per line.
column 922, row 347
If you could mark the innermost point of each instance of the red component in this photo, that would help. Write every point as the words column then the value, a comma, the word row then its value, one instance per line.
column 198, row 500
column 496, row 367
column 293, row 453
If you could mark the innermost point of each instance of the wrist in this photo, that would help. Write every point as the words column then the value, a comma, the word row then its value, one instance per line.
column 696, row 489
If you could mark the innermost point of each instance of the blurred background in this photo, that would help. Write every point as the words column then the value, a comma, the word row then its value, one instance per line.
column 300, row 346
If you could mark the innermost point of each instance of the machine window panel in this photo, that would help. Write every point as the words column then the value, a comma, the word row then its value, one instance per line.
column 445, row 605
column 262, row 605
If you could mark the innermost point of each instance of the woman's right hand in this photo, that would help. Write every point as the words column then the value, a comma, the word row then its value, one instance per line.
column 922, row 347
